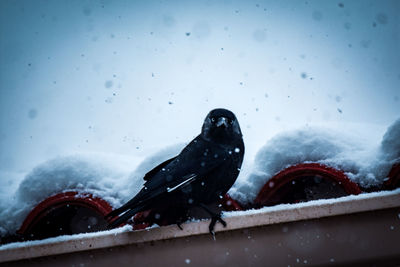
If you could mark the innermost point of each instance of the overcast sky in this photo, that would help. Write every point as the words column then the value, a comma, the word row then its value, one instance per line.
column 125, row 77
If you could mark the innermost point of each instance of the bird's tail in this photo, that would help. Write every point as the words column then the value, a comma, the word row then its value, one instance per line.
column 131, row 204
column 123, row 218
column 114, row 213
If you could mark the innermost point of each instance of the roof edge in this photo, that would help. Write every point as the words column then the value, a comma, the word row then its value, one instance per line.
column 235, row 220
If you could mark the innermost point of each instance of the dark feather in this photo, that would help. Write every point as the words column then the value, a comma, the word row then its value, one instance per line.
column 151, row 173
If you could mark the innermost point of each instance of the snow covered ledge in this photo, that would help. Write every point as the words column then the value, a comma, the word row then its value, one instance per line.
column 334, row 231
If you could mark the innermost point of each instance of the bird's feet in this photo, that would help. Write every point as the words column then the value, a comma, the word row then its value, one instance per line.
column 214, row 219
column 179, row 224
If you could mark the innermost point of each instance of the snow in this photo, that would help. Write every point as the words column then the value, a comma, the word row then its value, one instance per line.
column 100, row 175
column 312, row 203
column 65, row 238
column 366, row 164
column 390, row 146
column 109, row 177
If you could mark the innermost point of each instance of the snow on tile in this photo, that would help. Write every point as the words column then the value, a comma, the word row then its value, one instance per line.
column 364, row 163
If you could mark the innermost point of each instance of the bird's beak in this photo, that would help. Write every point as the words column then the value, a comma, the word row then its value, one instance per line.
column 222, row 121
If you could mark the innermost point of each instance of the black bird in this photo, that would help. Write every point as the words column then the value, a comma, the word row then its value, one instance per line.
column 201, row 174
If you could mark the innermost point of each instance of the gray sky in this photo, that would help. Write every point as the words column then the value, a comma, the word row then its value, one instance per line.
column 129, row 77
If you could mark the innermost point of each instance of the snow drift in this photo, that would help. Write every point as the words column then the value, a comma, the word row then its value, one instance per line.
column 365, row 164
column 97, row 174
column 109, row 177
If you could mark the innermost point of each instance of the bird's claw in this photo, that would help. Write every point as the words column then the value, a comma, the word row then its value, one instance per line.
column 216, row 218
column 179, row 224
column 213, row 235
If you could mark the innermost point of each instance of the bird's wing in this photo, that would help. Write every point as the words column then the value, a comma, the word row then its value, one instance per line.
column 132, row 203
column 186, row 180
column 195, row 161
column 151, row 173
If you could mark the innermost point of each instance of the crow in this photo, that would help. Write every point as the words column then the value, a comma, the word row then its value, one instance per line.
column 200, row 175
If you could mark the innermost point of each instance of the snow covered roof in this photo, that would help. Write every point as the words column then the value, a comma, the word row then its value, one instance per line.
column 110, row 177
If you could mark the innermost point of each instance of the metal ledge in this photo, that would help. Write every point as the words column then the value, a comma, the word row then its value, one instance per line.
column 238, row 222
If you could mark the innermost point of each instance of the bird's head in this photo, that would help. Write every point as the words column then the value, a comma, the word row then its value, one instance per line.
column 221, row 126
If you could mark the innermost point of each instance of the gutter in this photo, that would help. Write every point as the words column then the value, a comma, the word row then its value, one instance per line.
column 274, row 233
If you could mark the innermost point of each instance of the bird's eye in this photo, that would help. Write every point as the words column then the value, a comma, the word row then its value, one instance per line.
column 230, row 121
column 212, row 119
